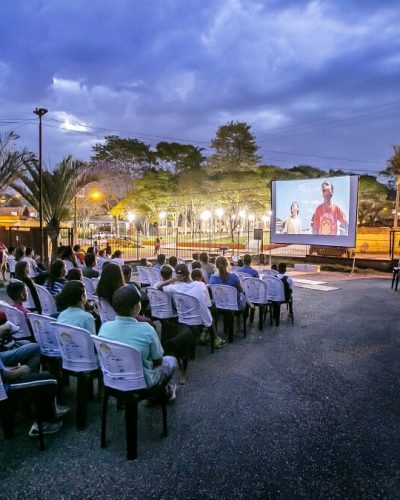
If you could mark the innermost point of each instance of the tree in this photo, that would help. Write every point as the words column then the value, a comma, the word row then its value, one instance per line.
column 179, row 157
column 12, row 160
column 235, row 148
column 129, row 156
column 59, row 189
column 393, row 164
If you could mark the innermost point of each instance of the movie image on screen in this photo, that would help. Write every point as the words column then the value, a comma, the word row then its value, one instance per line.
column 320, row 211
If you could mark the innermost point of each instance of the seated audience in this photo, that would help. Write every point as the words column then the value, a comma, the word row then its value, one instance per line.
column 16, row 290
column 287, row 280
column 197, row 275
column 158, row 369
column 90, row 263
column 144, row 262
column 224, row 277
column 21, row 274
column 74, row 274
column 56, row 279
column 18, row 374
column 117, row 258
column 79, row 254
column 160, row 261
column 101, row 259
column 206, row 265
column 71, row 302
column 196, row 264
column 69, row 257
column 173, row 261
column 29, row 258
column 182, row 283
column 247, row 267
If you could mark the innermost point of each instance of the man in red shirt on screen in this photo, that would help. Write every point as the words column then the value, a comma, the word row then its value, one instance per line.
column 329, row 219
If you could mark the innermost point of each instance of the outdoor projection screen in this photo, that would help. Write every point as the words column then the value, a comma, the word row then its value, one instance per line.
column 320, row 211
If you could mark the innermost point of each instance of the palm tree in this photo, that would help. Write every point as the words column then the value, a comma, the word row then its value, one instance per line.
column 12, row 160
column 60, row 186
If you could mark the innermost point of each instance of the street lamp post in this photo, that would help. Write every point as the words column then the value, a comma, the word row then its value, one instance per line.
column 131, row 218
column 40, row 112
column 242, row 215
column 205, row 216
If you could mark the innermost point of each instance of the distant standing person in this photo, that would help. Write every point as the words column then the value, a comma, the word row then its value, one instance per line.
column 329, row 218
column 157, row 246
column 293, row 222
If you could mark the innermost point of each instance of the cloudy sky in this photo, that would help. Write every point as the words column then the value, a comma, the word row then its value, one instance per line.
column 318, row 81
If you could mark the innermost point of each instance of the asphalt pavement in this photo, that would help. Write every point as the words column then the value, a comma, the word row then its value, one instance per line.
column 309, row 410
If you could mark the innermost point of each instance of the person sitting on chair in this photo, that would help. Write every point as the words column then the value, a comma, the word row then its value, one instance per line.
column 160, row 261
column 158, row 369
column 90, row 263
column 247, row 266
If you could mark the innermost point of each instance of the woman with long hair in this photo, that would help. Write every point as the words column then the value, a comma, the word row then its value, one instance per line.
column 69, row 257
column 71, row 302
column 22, row 274
column 110, row 280
column 56, row 279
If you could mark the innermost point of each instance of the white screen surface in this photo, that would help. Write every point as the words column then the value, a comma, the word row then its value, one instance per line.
column 302, row 213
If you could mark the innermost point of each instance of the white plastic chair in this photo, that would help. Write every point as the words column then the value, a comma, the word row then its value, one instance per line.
column 89, row 287
column 242, row 276
column 276, row 295
column 144, row 276
column 225, row 298
column 78, row 359
column 45, row 334
column 46, row 300
column 270, row 272
column 18, row 318
column 123, row 376
column 68, row 265
column 188, row 309
column 160, row 304
column 154, row 275
column 256, row 292
column 106, row 311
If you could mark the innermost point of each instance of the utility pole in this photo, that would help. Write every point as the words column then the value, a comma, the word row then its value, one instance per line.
column 40, row 112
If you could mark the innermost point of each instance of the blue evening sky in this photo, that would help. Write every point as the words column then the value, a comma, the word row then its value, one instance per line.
column 318, row 81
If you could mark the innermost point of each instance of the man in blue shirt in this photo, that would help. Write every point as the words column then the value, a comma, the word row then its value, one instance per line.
column 158, row 369
column 247, row 267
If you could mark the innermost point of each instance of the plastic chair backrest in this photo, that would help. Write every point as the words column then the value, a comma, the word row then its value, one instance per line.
column 68, row 265
column 256, row 290
column 121, row 364
column 46, row 300
column 276, row 290
column 77, row 348
column 143, row 274
column 18, row 318
column 160, row 304
column 242, row 275
column 106, row 311
column 188, row 308
column 270, row 272
column 89, row 287
column 154, row 275
column 225, row 297
column 45, row 334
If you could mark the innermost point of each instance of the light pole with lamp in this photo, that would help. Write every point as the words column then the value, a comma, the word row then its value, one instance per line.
column 40, row 112
column 250, row 218
column 242, row 216
column 205, row 216
column 163, row 217
column 219, row 212
column 131, row 217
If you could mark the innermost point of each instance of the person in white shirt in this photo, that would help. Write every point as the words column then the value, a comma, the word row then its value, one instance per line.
column 11, row 262
column 29, row 258
column 182, row 283
column 117, row 258
column 101, row 259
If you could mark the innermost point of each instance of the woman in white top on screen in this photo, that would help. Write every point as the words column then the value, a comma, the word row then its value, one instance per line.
column 293, row 222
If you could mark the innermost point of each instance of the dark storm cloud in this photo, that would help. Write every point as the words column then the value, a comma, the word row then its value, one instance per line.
column 177, row 68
